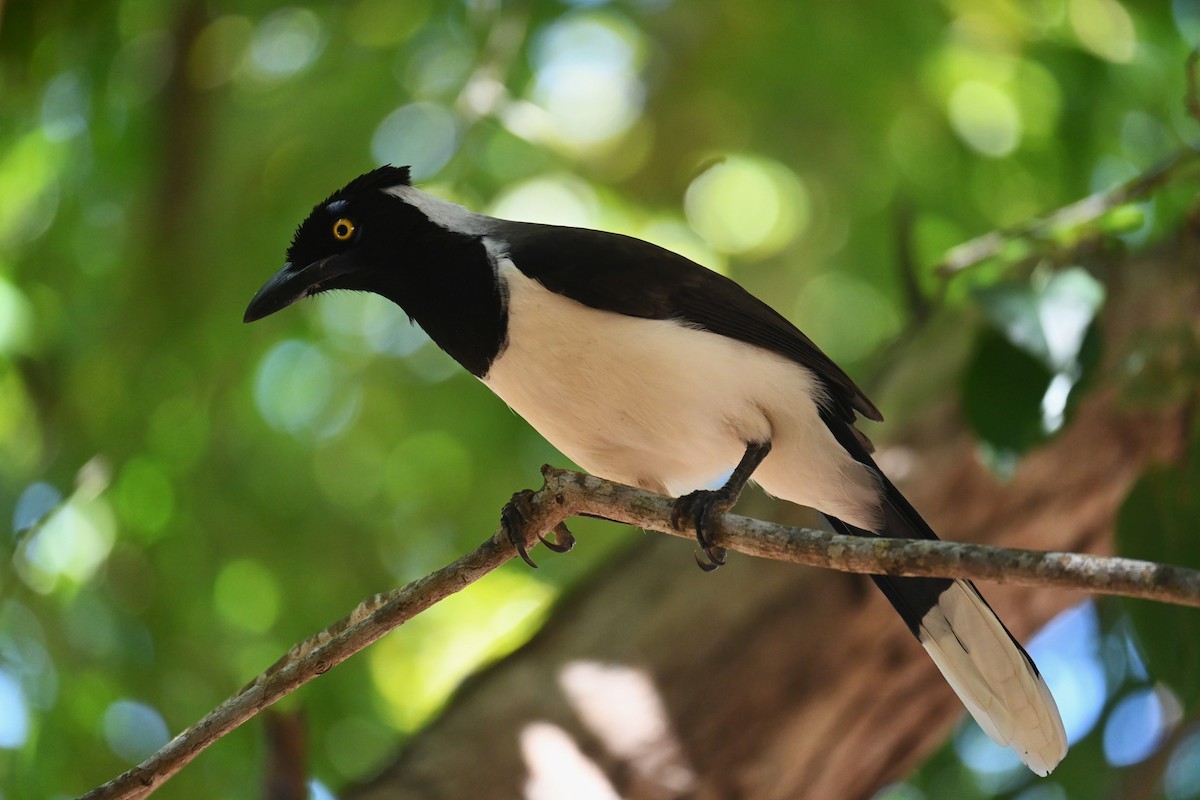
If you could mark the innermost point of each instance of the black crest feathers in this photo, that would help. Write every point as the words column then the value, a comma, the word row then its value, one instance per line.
column 383, row 177
column 311, row 233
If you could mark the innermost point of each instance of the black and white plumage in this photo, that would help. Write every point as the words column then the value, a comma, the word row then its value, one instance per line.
column 650, row 370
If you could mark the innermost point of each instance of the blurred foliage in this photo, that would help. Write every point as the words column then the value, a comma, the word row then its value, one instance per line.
column 1040, row 346
column 189, row 497
column 1158, row 522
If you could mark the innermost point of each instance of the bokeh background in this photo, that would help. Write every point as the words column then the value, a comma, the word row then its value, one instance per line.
column 186, row 497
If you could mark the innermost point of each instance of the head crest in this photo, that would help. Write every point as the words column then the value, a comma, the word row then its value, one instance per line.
column 384, row 177
column 314, row 229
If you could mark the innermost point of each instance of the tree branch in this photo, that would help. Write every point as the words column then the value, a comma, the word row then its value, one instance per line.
column 981, row 248
column 567, row 494
column 585, row 494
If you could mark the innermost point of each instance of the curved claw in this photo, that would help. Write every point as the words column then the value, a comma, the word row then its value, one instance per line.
column 513, row 518
column 564, row 540
column 714, row 557
column 702, row 505
column 696, row 510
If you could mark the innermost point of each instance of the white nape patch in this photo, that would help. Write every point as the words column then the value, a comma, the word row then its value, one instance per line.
column 443, row 213
column 664, row 406
column 993, row 678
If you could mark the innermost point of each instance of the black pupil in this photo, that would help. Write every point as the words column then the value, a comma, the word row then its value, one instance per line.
column 342, row 230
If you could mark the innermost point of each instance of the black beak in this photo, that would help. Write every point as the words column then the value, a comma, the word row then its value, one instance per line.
column 292, row 283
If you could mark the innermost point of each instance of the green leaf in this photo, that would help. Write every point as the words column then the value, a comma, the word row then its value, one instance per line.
column 1002, row 393
column 1026, row 373
column 1067, row 304
column 1159, row 521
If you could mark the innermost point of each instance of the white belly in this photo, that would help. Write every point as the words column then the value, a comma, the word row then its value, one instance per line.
column 656, row 404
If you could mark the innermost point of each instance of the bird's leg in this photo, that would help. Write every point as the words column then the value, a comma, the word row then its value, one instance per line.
column 515, row 516
column 698, row 508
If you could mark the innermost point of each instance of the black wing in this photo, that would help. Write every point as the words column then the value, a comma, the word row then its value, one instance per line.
column 629, row 276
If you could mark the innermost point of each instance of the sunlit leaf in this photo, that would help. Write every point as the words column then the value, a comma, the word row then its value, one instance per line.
column 1024, row 379
column 1048, row 318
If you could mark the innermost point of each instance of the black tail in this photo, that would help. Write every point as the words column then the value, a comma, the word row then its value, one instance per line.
column 988, row 669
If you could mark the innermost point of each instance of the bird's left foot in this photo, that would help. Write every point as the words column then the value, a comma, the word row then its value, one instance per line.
column 515, row 516
column 697, row 510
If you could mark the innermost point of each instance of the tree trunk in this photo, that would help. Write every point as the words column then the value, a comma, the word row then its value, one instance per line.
column 654, row 680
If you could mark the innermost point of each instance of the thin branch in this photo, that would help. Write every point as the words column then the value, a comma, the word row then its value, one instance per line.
column 919, row 307
column 567, row 494
column 1126, row 577
column 1191, row 100
column 373, row 618
column 1081, row 212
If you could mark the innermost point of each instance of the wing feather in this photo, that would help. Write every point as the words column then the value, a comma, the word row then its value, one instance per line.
column 619, row 273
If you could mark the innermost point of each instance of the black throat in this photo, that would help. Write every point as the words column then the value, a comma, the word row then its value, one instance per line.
column 447, row 284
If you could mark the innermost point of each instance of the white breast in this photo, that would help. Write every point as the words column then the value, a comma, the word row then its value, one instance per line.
column 658, row 404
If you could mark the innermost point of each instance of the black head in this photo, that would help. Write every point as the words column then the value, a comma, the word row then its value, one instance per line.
column 341, row 243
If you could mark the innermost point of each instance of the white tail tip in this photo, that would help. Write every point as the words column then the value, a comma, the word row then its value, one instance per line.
column 994, row 677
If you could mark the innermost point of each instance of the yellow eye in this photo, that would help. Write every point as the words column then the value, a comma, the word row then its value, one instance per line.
column 343, row 229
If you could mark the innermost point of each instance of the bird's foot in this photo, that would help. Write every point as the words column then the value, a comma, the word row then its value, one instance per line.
column 697, row 511
column 514, row 517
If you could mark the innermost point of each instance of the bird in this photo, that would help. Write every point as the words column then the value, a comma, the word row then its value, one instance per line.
column 648, row 369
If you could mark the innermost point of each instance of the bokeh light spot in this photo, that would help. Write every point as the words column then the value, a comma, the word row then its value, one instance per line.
column 551, row 199
column 985, row 117
column 71, row 544
column 1104, row 27
column 587, row 78
column 1187, row 20
column 1181, row 781
column 24, row 655
column 423, row 135
column 246, row 595
column 38, row 500
column 848, row 317
column 319, row 791
column 16, row 319
column 28, row 189
column 65, row 108
column 439, row 67
column 358, row 320
column 293, row 386
column 286, row 42
column 414, row 673
column 14, row 713
column 1135, row 727
column 133, row 730
column 749, row 206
